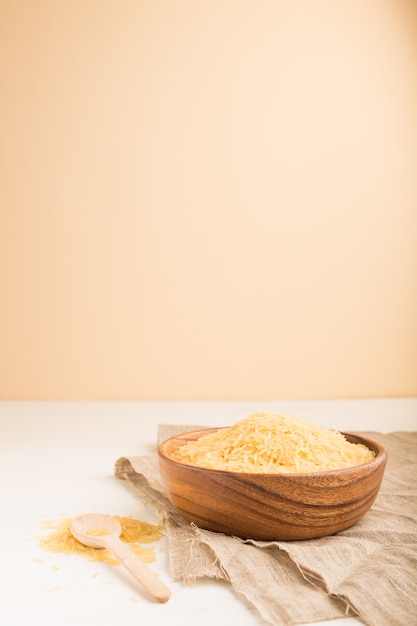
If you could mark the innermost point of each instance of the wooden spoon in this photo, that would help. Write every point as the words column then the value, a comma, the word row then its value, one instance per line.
column 110, row 528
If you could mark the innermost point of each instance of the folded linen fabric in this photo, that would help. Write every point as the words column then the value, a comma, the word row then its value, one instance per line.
column 368, row 570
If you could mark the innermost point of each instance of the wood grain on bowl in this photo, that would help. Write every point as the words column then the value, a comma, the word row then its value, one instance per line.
column 271, row 506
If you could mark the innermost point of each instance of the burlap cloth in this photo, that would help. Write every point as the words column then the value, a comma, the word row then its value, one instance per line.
column 368, row 571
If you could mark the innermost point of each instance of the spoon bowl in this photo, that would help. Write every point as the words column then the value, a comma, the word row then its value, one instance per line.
column 82, row 525
column 103, row 531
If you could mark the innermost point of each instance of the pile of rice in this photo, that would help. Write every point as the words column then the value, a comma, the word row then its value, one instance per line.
column 134, row 532
column 270, row 443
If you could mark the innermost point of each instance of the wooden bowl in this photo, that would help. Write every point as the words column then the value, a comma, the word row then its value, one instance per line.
column 271, row 506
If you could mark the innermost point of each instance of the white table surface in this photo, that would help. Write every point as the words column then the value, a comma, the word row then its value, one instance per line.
column 57, row 459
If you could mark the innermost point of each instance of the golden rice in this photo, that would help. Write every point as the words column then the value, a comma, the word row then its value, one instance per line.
column 134, row 532
column 271, row 443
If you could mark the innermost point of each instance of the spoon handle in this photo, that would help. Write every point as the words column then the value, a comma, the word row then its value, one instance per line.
column 148, row 579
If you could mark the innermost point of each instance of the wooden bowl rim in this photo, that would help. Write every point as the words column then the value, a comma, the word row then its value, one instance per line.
column 378, row 448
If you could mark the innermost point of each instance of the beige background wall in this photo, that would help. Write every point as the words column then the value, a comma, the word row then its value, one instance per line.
column 208, row 199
